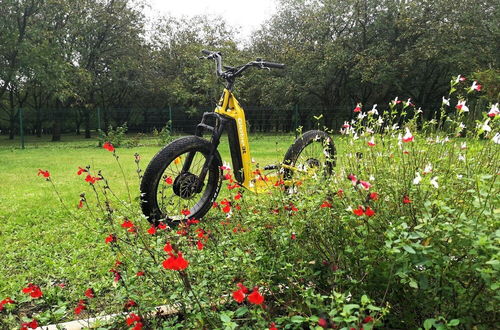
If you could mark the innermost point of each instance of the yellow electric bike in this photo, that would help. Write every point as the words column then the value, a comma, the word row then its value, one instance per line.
column 184, row 178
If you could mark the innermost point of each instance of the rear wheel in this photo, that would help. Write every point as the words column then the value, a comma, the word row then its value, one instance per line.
column 313, row 153
column 173, row 193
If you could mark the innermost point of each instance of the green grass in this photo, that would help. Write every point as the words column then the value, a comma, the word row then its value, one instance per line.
column 40, row 241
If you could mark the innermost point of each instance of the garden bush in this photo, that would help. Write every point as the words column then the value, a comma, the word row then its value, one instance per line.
column 404, row 235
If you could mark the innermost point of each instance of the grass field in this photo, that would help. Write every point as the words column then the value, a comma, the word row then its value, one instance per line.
column 40, row 241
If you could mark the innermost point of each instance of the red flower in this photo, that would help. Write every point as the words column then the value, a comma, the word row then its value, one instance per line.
column 140, row 273
column 186, row 212
column 127, row 224
column 293, row 236
column 169, row 180
column 175, row 262
column 80, row 204
column 33, row 290
column 374, row 196
column 138, row 326
column 272, row 326
column 255, row 297
column 110, row 239
column 280, row 182
column 80, row 307
column 45, row 174
column 199, row 245
column 89, row 293
column 238, row 196
column 226, row 209
column 406, row 199
column 323, row 323
column 167, row 248
column 192, row 222
column 108, row 146
column 357, row 108
column 92, row 179
column 326, row 204
column 81, row 170
column 152, row 230
column 242, row 287
column 359, row 211
column 368, row 319
column 369, row 212
column 214, row 205
column 132, row 318
column 130, row 303
column 5, row 302
column 239, row 296
column 116, row 273
column 340, row 193
column 162, row 226
column 30, row 325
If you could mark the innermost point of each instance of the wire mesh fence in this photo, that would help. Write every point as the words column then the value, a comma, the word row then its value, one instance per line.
column 180, row 120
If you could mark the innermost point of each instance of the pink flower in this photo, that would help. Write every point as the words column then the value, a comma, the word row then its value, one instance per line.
column 366, row 185
column 494, row 111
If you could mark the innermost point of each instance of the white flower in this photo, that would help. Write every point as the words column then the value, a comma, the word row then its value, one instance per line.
column 419, row 110
column 459, row 176
column 446, row 101
column 395, row 127
column 496, row 138
column 371, row 178
column 361, row 115
column 371, row 143
column 485, row 127
column 462, row 107
column 369, row 130
column 427, row 169
column 373, row 111
column 494, row 110
column 380, row 121
column 417, row 179
column 462, row 126
column 434, row 182
column 461, row 157
column 408, row 137
column 463, row 146
column 355, row 136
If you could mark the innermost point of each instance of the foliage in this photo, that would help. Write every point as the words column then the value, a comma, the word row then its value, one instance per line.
column 403, row 235
column 115, row 136
column 165, row 135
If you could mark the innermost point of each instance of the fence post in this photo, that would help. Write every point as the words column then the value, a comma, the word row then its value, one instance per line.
column 296, row 119
column 98, row 119
column 21, row 129
column 170, row 118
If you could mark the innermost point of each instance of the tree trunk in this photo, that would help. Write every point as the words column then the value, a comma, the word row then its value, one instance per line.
column 56, row 126
column 87, row 124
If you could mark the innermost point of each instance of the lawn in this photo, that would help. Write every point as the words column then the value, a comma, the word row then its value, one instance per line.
column 39, row 238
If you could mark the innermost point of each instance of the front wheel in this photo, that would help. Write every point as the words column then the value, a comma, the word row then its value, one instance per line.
column 313, row 153
column 171, row 190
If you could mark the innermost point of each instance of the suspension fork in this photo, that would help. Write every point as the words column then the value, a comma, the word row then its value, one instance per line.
column 217, row 131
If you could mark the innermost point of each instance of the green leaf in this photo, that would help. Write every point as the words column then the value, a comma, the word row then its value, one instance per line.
column 413, row 284
column 241, row 311
column 297, row 319
column 225, row 318
column 429, row 323
column 409, row 249
column 349, row 307
column 454, row 323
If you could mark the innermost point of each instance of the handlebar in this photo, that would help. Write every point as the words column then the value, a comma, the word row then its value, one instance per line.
column 234, row 72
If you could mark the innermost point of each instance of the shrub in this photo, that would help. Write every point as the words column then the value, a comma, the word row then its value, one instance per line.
column 115, row 136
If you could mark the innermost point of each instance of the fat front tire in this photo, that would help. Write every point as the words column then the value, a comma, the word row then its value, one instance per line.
column 167, row 191
column 313, row 149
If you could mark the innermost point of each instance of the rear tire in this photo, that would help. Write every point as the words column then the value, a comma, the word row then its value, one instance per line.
column 312, row 149
column 166, row 191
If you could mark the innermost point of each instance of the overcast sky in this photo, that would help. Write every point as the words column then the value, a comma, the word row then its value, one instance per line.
column 247, row 15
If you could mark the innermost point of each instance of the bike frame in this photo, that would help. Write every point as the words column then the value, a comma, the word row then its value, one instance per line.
column 230, row 116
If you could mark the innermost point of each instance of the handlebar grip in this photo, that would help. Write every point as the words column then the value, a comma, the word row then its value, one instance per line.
column 206, row 52
column 273, row 65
